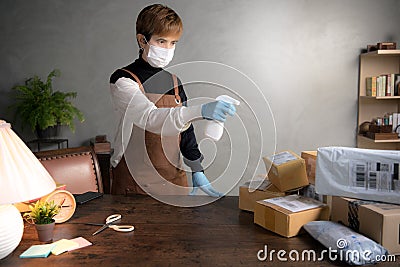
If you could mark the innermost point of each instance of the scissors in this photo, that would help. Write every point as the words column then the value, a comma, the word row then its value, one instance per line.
column 109, row 224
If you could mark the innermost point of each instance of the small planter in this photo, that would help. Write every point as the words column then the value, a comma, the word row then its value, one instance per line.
column 42, row 215
column 45, row 231
column 48, row 133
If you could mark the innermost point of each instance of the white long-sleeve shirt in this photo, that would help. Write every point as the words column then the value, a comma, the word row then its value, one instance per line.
column 132, row 107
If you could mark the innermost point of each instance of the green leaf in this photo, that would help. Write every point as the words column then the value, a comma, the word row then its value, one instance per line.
column 37, row 105
column 42, row 212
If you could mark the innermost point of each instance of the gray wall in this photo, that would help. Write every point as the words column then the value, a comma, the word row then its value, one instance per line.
column 303, row 55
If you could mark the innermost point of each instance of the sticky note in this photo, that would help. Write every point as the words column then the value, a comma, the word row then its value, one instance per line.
column 82, row 242
column 63, row 245
column 37, row 251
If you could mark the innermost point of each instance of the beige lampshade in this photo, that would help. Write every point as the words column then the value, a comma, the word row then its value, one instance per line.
column 22, row 176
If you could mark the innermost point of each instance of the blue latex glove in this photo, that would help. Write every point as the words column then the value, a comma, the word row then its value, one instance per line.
column 217, row 110
column 200, row 181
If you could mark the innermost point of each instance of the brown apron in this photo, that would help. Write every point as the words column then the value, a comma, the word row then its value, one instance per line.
column 154, row 161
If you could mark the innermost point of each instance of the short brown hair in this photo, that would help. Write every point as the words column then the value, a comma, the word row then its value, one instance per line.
column 158, row 19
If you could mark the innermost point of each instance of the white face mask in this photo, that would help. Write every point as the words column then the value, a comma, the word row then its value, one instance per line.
column 159, row 57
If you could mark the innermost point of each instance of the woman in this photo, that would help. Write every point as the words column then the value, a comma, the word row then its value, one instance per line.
column 151, row 98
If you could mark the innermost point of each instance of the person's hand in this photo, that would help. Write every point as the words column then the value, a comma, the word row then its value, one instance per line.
column 200, row 181
column 217, row 110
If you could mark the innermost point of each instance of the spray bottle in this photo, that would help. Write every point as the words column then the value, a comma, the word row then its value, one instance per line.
column 215, row 129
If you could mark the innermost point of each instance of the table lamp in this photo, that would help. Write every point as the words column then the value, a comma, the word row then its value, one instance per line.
column 22, row 178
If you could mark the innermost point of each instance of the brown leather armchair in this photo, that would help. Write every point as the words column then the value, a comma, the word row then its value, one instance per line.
column 77, row 167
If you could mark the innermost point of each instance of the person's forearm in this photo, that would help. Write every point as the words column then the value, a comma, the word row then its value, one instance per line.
column 143, row 113
column 190, row 150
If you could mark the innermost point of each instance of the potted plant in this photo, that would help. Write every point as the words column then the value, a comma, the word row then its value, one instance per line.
column 42, row 215
column 42, row 108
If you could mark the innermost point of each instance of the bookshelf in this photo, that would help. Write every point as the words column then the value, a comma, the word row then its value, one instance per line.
column 374, row 64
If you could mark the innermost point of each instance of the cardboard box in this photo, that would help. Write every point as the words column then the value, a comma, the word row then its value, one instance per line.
column 378, row 221
column 287, row 171
column 358, row 173
column 310, row 158
column 248, row 197
column 287, row 215
column 309, row 191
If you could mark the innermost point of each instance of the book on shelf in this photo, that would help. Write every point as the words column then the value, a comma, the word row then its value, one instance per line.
column 371, row 86
column 384, row 91
column 388, row 85
column 381, row 81
column 383, row 85
column 395, row 121
column 396, row 84
column 392, row 84
column 386, row 46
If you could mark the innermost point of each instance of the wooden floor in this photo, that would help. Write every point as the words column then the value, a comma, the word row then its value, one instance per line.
column 218, row 234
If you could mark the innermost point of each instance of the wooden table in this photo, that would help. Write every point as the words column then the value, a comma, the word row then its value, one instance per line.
column 218, row 234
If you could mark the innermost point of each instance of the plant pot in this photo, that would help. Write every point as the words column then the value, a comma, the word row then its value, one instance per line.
column 48, row 133
column 45, row 231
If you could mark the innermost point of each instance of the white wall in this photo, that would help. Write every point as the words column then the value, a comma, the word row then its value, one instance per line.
column 302, row 55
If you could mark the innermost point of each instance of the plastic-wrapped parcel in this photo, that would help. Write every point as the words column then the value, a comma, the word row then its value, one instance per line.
column 358, row 173
column 344, row 244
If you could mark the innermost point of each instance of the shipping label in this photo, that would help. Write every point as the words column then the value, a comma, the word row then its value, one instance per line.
column 295, row 203
column 378, row 176
column 282, row 157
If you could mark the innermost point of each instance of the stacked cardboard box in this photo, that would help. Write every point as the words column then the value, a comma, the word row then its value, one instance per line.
column 287, row 174
column 372, row 175
column 287, row 171
column 376, row 220
column 287, row 215
column 310, row 158
column 252, row 191
column 277, row 205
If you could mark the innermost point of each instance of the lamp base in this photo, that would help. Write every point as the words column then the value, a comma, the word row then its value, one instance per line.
column 11, row 229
